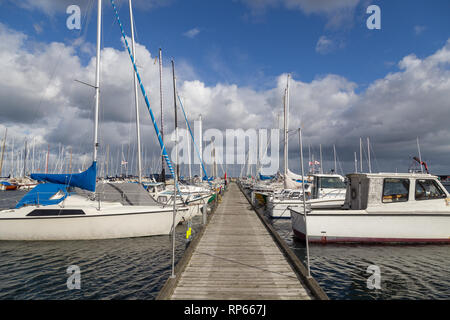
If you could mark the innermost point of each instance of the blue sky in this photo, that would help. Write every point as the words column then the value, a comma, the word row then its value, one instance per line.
column 236, row 45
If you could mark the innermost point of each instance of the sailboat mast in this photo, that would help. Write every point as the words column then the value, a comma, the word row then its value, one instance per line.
column 188, row 150
column 163, row 171
column 176, row 175
column 32, row 161
column 136, row 98
column 46, row 161
column 258, row 151
column 3, row 152
column 97, row 78
column 321, row 166
column 25, row 160
column 12, row 159
column 368, row 153
column 286, row 125
column 177, row 169
column 200, row 145
column 335, row 164
column 360, row 155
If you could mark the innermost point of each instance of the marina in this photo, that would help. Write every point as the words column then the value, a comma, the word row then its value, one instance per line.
column 147, row 154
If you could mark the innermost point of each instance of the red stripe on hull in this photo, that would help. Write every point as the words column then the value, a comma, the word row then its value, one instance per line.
column 325, row 239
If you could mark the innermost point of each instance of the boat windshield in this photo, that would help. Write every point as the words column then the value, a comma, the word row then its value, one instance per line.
column 331, row 183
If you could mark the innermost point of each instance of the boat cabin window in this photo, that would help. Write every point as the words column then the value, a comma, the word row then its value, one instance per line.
column 331, row 183
column 162, row 199
column 295, row 194
column 428, row 189
column 395, row 190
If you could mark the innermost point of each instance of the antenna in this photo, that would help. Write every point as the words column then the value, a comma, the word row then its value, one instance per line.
column 420, row 156
column 368, row 152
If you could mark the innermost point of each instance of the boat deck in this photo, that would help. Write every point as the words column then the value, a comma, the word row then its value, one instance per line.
column 236, row 258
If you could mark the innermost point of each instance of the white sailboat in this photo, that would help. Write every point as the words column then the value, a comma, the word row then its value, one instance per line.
column 278, row 202
column 74, row 207
column 322, row 190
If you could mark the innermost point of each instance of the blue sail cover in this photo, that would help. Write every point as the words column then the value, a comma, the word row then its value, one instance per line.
column 85, row 180
column 263, row 177
column 41, row 194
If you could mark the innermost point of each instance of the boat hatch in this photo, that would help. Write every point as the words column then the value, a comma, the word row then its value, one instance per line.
column 55, row 212
column 162, row 199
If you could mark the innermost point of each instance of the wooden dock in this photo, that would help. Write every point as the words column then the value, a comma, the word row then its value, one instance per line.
column 236, row 257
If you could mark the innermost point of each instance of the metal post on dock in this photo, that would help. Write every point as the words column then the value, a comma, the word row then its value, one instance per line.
column 304, row 201
column 204, row 212
column 175, row 176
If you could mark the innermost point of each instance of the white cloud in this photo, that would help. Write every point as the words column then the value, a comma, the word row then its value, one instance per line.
column 39, row 98
column 307, row 6
column 418, row 30
column 338, row 13
column 192, row 33
column 52, row 7
column 324, row 45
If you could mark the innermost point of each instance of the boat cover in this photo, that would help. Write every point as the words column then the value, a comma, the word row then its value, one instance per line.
column 42, row 194
column 127, row 193
column 263, row 177
column 84, row 180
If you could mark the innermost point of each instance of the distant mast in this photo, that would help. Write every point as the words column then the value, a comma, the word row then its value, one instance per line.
column 25, row 160
column 368, row 155
column 46, row 161
column 321, row 160
column 3, row 152
column 360, row 155
column 335, row 163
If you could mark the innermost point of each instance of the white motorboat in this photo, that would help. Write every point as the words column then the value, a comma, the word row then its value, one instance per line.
column 382, row 207
column 322, row 190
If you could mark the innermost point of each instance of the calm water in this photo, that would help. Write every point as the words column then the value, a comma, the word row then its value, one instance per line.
column 407, row 271
column 137, row 268
column 133, row 268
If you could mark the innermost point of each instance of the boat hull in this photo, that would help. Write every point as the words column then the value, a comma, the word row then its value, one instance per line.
column 280, row 210
column 365, row 227
column 89, row 227
column 8, row 188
